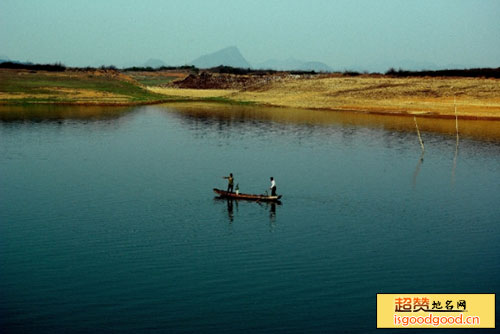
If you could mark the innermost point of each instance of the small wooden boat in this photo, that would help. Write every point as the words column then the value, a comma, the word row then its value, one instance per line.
column 249, row 197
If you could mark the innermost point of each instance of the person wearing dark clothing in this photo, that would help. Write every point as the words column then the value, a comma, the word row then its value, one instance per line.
column 230, row 182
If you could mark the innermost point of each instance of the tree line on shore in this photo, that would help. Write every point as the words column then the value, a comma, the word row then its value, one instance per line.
column 59, row 67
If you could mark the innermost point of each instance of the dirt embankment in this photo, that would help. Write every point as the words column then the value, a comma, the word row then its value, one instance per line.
column 110, row 74
column 208, row 80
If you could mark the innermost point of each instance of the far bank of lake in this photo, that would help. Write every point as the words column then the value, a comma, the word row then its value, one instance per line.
column 424, row 97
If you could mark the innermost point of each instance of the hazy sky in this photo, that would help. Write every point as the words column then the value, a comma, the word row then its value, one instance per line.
column 342, row 34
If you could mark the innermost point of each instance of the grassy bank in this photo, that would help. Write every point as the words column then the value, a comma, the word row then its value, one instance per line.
column 72, row 87
column 473, row 97
column 424, row 96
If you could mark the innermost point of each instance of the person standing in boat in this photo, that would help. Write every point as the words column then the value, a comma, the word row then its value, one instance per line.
column 273, row 187
column 230, row 182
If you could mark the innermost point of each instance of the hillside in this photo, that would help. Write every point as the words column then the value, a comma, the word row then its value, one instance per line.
column 292, row 64
column 154, row 63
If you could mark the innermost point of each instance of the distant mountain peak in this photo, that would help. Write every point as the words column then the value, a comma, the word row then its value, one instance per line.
column 154, row 63
column 229, row 56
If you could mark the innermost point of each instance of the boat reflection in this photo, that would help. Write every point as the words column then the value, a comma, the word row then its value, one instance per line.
column 230, row 213
column 272, row 212
column 233, row 203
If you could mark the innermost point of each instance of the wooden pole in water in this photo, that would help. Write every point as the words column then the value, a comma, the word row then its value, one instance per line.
column 456, row 146
column 418, row 133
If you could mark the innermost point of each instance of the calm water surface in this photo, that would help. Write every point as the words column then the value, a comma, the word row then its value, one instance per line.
column 108, row 221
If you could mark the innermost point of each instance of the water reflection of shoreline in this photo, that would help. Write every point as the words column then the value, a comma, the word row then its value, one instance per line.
column 35, row 113
column 207, row 117
column 210, row 117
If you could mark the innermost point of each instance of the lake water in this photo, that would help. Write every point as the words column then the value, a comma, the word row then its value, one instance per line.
column 108, row 221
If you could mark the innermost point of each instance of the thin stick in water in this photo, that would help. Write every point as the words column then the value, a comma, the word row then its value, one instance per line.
column 456, row 116
column 456, row 145
column 418, row 133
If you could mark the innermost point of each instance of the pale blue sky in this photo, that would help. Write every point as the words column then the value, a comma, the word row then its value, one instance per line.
column 343, row 34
